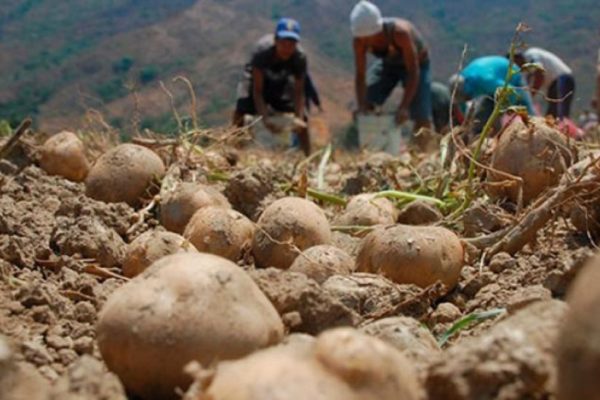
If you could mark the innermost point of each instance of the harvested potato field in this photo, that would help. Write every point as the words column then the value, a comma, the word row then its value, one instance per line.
column 166, row 269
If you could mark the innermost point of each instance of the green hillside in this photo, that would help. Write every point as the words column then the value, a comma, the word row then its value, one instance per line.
column 61, row 57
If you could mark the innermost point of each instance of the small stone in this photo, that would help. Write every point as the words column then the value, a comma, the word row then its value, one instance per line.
column 67, row 356
column 42, row 314
column 473, row 285
column 36, row 353
column 419, row 213
column 49, row 373
column 444, row 313
column 527, row 295
column 84, row 345
column 85, row 312
column 501, row 262
column 58, row 342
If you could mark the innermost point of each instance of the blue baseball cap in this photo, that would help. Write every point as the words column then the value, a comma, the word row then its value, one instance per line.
column 288, row 28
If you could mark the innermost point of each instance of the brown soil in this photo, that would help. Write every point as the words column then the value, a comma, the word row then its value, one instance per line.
column 61, row 255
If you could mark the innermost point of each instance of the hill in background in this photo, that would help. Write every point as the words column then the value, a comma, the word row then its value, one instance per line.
column 60, row 58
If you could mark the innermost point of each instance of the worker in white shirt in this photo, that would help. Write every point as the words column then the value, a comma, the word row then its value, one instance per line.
column 554, row 80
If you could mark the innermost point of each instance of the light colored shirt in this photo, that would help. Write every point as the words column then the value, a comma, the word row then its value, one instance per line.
column 552, row 64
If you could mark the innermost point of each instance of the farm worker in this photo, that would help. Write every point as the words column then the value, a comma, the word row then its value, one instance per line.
column 479, row 82
column 554, row 80
column 401, row 56
column 275, row 80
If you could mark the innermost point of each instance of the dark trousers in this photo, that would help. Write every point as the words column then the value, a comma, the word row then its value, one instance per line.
column 560, row 95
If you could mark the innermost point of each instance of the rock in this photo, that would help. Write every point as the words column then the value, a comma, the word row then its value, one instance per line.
column 293, row 292
column 514, row 360
column 445, row 313
column 501, row 262
column 368, row 293
column 407, row 335
column 419, row 213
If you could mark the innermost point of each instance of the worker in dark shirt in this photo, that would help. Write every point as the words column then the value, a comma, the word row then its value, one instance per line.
column 277, row 64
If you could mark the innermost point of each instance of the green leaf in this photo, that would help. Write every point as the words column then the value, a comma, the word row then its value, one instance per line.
column 467, row 321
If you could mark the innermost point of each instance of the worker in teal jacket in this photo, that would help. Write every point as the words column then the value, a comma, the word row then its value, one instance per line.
column 479, row 82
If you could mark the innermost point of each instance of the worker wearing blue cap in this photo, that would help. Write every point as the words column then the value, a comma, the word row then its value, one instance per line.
column 275, row 79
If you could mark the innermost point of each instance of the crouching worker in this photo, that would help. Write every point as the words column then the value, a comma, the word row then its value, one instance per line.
column 401, row 57
column 275, row 81
column 479, row 81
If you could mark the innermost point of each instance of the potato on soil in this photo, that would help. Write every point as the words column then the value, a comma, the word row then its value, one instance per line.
column 537, row 153
column 321, row 262
column 124, row 174
column 286, row 225
column 221, row 231
column 150, row 247
column 412, row 254
column 178, row 207
column 365, row 209
column 341, row 364
column 63, row 154
column 186, row 306
column 578, row 345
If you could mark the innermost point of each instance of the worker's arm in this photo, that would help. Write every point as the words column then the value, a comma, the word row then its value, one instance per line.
column 536, row 80
column 299, row 96
column 406, row 44
column 360, row 65
column 258, row 80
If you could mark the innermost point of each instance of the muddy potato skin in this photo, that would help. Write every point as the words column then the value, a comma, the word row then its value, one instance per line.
column 321, row 262
column 178, row 207
column 341, row 364
column 366, row 210
column 221, row 231
column 187, row 306
column 151, row 246
column 123, row 174
column 533, row 153
column 420, row 255
column 289, row 219
column 63, row 154
column 578, row 344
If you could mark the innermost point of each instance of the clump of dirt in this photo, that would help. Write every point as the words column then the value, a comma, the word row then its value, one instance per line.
column 303, row 305
column 514, row 360
column 247, row 189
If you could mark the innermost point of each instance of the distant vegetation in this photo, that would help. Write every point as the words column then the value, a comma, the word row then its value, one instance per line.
column 83, row 45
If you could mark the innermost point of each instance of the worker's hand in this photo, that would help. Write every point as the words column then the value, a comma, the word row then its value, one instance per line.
column 273, row 128
column 299, row 123
column 402, row 115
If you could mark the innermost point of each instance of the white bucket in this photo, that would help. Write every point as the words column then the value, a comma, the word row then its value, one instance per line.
column 281, row 140
column 380, row 133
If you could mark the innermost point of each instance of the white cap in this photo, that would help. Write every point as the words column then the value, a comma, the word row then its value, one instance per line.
column 365, row 19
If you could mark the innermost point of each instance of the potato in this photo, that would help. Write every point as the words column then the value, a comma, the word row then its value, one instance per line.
column 286, row 225
column 178, row 207
column 321, row 262
column 537, row 153
column 186, row 306
column 365, row 209
column 578, row 347
column 150, row 247
column 341, row 364
column 63, row 154
column 124, row 174
column 220, row 231
column 421, row 255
